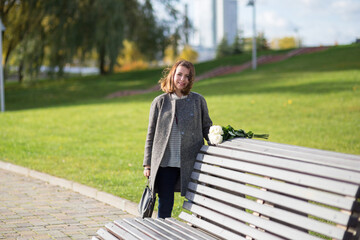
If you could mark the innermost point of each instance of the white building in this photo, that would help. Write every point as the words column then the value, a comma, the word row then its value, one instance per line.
column 212, row 20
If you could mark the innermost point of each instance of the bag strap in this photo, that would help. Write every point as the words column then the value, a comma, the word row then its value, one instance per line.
column 148, row 185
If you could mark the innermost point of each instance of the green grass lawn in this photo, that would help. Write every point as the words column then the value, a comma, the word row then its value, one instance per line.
column 68, row 129
column 85, row 90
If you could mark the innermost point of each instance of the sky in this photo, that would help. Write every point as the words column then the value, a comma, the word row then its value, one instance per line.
column 315, row 22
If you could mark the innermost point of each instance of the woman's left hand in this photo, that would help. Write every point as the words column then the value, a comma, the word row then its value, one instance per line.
column 147, row 171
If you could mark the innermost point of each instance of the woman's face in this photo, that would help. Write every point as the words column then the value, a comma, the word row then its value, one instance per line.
column 181, row 78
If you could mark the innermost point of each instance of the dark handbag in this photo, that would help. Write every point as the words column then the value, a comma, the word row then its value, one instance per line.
column 147, row 202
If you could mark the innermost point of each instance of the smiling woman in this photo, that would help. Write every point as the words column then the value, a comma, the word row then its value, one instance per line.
column 178, row 123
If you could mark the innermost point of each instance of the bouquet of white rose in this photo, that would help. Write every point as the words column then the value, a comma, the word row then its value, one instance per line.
column 218, row 134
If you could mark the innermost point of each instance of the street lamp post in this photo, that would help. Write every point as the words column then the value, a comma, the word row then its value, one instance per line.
column 252, row 3
column 2, row 92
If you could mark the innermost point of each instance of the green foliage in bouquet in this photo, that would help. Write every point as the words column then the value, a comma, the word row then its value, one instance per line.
column 230, row 133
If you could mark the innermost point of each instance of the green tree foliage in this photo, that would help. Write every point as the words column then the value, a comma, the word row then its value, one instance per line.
column 146, row 31
column 223, row 49
column 261, row 43
column 178, row 32
column 108, row 32
column 171, row 52
column 21, row 34
column 236, row 47
column 42, row 32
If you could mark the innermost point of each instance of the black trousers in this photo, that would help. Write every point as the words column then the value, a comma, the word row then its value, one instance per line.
column 165, row 181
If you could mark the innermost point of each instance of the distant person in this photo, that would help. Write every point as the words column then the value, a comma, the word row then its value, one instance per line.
column 178, row 123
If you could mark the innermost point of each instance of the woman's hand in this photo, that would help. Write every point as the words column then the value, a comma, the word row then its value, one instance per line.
column 147, row 171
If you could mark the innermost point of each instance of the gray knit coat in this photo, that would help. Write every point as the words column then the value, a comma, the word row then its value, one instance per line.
column 194, row 123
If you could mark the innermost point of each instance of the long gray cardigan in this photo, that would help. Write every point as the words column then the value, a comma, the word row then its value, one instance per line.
column 194, row 123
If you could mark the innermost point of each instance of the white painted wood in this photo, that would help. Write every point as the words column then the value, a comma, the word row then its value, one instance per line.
column 280, row 214
column 337, row 162
column 289, row 164
column 273, row 197
column 209, row 227
column 224, row 221
column 122, row 225
column 161, row 223
column 156, row 229
column 281, row 183
column 269, row 226
column 144, row 228
column 293, row 148
column 106, row 235
column 186, row 231
column 169, row 231
column 199, row 233
column 281, row 174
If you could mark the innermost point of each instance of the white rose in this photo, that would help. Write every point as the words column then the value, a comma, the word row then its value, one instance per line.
column 216, row 130
column 215, row 138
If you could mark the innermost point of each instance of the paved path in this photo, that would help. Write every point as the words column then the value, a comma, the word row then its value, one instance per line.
column 33, row 209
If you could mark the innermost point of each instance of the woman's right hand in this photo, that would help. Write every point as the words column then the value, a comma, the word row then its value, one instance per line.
column 147, row 171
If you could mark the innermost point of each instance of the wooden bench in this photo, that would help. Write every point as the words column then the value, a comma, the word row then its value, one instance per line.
column 251, row 189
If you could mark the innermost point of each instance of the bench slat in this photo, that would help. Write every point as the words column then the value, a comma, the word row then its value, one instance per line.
column 280, row 214
column 285, row 175
column 334, row 161
column 108, row 236
column 225, row 221
column 209, row 227
column 123, row 230
column 276, row 198
column 156, row 229
column 244, row 216
column 138, row 224
column 194, row 230
column 285, row 163
column 188, row 233
column 294, row 148
column 165, row 229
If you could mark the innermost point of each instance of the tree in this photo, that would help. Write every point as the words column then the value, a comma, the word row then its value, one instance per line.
column 261, row 41
column 23, row 24
column 169, row 55
column 56, row 32
column 189, row 54
column 146, row 32
column 186, row 26
column 223, row 48
column 171, row 51
column 284, row 43
column 131, row 58
column 236, row 47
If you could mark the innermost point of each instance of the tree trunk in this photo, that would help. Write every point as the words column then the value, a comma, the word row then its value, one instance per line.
column 20, row 75
column 102, row 60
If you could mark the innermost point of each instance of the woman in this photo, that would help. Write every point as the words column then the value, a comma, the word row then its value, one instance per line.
column 178, row 123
